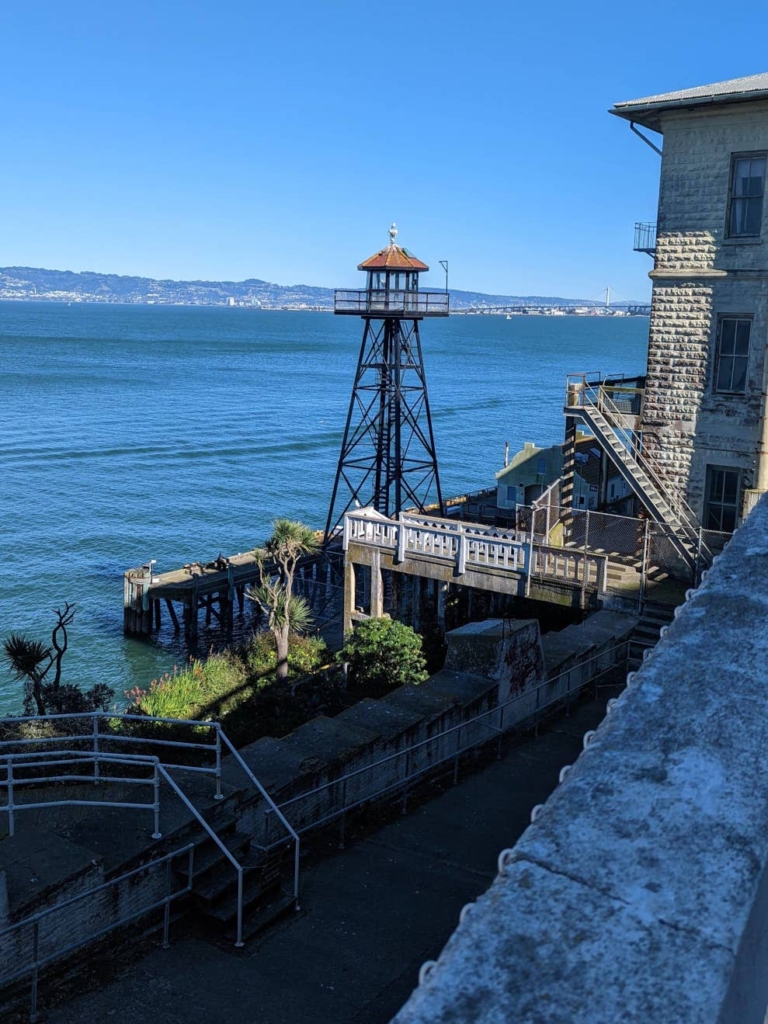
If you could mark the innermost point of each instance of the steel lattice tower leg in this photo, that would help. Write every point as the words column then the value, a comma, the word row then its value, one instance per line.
column 388, row 457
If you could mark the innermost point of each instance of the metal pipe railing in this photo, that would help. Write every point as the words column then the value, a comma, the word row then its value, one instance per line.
column 409, row 754
column 276, row 810
column 588, row 393
column 34, row 920
column 221, row 845
column 16, row 760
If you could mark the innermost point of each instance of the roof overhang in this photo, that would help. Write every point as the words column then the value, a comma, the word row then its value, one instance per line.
column 650, row 110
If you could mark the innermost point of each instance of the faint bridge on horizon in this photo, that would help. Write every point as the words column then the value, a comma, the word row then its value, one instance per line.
column 572, row 309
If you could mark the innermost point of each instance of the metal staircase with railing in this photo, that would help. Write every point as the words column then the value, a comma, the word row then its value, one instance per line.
column 590, row 402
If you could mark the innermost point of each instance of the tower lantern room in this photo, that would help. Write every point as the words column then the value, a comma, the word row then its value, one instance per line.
column 388, row 457
column 393, row 270
column 392, row 286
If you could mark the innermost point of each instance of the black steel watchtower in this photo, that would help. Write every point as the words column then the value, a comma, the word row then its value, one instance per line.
column 388, row 455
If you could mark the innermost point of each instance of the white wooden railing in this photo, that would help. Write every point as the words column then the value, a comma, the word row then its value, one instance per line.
column 473, row 546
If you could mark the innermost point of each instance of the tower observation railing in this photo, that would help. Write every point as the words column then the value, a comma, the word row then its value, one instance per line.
column 391, row 303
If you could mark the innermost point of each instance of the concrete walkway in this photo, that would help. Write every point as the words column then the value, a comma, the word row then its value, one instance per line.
column 372, row 913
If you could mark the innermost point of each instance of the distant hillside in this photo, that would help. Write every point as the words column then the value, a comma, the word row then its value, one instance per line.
column 32, row 283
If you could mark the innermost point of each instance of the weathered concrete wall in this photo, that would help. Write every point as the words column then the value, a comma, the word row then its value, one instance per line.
column 700, row 274
column 492, row 666
column 509, row 652
column 41, row 871
column 640, row 893
column 336, row 753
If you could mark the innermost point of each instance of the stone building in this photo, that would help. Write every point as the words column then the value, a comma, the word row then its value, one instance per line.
column 703, row 420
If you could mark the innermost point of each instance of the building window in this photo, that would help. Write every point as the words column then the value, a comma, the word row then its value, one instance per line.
column 732, row 354
column 541, row 466
column 745, row 207
column 512, row 495
column 722, row 507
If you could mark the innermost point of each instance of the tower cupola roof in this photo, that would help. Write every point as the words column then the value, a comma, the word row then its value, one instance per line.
column 392, row 257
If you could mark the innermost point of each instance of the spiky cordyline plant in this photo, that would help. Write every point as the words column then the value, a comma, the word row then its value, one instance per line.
column 277, row 561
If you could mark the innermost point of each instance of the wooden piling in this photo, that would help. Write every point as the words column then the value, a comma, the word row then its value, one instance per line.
column 172, row 613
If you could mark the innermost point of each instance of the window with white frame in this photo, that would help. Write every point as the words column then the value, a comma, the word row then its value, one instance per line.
column 732, row 354
column 745, row 201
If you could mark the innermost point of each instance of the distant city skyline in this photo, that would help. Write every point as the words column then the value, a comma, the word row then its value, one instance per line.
column 183, row 142
column 37, row 283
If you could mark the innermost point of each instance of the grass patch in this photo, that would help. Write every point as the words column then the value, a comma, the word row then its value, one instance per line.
column 238, row 689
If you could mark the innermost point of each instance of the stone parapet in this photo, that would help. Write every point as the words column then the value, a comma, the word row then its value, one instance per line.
column 640, row 893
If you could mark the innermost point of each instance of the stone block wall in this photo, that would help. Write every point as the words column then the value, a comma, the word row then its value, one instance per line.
column 699, row 275
column 371, row 748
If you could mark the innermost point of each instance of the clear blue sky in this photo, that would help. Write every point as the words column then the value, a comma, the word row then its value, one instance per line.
column 176, row 138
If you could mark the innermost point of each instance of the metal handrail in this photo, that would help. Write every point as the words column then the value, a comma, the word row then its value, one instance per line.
column 281, row 817
column 437, row 737
column 594, row 395
column 33, row 920
column 649, row 463
column 597, row 397
column 98, row 755
column 221, row 845
column 390, row 300
column 73, row 757
column 95, row 737
column 605, row 404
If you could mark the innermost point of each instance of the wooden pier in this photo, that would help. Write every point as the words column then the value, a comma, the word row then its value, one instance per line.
column 215, row 587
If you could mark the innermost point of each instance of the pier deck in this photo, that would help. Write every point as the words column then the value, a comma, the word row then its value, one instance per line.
column 215, row 587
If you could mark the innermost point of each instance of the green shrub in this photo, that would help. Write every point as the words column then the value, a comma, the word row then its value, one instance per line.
column 382, row 654
column 305, row 654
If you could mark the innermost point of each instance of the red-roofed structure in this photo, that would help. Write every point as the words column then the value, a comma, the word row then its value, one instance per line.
column 392, row 257
column 392, row 288
column 388, row 458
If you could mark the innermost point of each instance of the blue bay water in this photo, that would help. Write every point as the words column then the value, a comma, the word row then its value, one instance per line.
column 138, row 432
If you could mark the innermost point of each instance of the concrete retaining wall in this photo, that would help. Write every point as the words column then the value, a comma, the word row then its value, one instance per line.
column 377, row 744
column 44, row 871
column 497, row 669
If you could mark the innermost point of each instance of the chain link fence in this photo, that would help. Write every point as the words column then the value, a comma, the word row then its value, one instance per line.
column 631, row 557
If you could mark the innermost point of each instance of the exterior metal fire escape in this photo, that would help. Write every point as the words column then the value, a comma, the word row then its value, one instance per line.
column 611, row 413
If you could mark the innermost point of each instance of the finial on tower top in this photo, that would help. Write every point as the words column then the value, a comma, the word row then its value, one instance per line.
column 392, row 233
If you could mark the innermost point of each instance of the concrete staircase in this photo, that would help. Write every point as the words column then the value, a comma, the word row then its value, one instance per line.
column 214, row 884
column 653, row 618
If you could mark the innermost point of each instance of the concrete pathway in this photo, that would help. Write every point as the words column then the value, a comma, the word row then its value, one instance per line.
column 372, row 913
